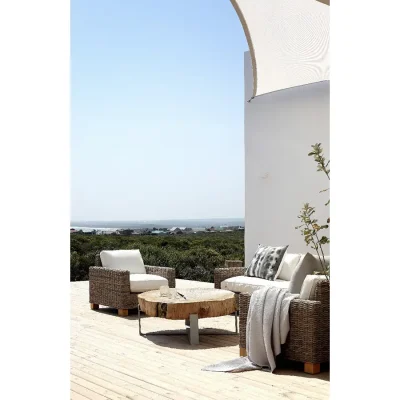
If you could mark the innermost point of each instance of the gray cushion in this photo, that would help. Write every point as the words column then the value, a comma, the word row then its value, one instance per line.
column 266, row 262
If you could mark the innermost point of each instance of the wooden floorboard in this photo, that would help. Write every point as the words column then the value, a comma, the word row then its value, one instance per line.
column 110, row 360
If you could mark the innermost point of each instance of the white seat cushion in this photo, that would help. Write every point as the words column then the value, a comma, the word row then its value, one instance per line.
column 288, row 266
column 128, row 260
column 143, row 282
column 249, row 284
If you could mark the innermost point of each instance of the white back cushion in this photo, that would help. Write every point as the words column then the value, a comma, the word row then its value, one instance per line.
column 307, row 265
column 128, row 260
column 309, row 284
column 288, row 266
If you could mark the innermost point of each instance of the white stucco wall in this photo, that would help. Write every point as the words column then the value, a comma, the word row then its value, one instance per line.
column 280, row 128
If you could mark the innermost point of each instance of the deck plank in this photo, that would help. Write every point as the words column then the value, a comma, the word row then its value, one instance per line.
column 109, row 360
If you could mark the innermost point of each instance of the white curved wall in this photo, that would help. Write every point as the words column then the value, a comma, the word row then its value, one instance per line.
column 280, row 128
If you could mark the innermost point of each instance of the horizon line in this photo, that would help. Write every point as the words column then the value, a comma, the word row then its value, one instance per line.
column 144, row 220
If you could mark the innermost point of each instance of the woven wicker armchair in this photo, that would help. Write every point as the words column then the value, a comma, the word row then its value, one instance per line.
column 308, row 339
column 232, row 268
column 111, row 287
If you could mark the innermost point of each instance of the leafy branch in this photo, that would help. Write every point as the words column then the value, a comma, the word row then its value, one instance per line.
column 310, row 228
column 319, row 158
column 322, row 165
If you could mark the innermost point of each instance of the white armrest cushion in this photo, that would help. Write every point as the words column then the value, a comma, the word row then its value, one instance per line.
column 309, row 284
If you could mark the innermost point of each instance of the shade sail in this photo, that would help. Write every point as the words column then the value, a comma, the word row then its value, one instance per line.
column 288, row 42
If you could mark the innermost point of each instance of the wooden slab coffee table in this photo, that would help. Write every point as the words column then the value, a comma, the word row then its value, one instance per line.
column 196, row 303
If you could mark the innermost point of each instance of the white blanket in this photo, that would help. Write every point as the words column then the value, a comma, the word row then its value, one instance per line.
column 267, row 325
column 267, row 329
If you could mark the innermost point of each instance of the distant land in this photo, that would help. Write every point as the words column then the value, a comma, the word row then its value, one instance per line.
column 168, row 223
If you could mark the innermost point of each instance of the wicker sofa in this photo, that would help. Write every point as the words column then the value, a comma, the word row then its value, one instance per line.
column 308, row 339
column 112, row 287
column 295, row 268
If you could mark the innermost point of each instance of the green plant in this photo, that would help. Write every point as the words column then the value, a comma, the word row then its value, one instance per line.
column 194, row 256
column 318, row 154
column 310, row 228
column 323, row 165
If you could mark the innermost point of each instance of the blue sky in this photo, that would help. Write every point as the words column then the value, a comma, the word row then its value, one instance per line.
column 156, row 110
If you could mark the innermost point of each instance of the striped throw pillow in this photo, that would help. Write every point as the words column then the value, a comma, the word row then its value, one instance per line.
column 266, row 262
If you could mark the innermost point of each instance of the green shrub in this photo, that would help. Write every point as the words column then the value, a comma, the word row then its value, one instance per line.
column 193, row 256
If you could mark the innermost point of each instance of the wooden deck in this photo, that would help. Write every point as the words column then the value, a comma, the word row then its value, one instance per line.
column 109, row 360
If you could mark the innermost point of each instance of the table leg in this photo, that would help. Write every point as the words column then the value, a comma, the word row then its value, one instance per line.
column 140, row 327
column 236, row 322
column 192, row 328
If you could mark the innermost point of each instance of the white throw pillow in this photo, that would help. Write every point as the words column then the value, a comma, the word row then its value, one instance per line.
column 288, row 266
column 309, row 285
column 128, row 260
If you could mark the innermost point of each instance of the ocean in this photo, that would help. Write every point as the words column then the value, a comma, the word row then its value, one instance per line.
column 189, row 223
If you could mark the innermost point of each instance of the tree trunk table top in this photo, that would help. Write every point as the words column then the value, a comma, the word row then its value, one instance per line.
column 205, row 302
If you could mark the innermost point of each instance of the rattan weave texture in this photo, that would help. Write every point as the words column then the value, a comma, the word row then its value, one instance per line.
column 308, row 339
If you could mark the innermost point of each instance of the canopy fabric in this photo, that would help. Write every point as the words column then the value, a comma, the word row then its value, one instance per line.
column 288, row 42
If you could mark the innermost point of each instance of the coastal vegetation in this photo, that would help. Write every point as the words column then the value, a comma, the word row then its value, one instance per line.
column 193, row 256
